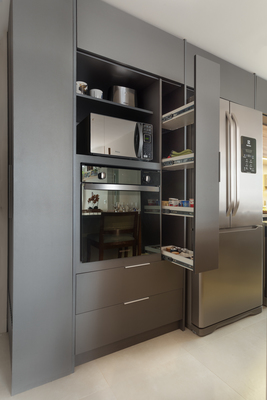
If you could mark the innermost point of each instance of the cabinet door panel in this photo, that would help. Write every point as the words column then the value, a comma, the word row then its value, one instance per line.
column 237, row 85
column 111, row 324
column 207, row 122
column 107, row 31
column 261, row 95
column 110, row 287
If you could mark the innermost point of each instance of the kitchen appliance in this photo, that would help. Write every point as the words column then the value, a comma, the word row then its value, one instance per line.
column 121, row 138
column 123, row 95
column 125, row 196
column 234, row 290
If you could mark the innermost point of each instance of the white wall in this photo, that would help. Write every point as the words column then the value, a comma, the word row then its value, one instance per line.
column 3, row 183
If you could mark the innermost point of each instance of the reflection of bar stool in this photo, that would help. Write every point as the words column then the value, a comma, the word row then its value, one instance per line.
column 117, row 230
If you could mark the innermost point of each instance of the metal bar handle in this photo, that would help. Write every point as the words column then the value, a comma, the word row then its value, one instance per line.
column 135, row 301
column 136, row 265
column 229, row 203
column 111, row 186
column 237, row 158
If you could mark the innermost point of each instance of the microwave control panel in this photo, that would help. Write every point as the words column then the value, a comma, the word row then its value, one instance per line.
column 147, row 142
column 248, row 155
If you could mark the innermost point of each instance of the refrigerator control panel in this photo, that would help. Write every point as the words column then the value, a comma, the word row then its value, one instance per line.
column 248, row 155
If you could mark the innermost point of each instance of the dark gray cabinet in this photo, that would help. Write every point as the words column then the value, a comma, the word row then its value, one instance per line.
column 123, row 302
column 118, row 285
column 107, row 31
column 40, row 224
column 261, row 95
column 111, row 324
column 236, row 84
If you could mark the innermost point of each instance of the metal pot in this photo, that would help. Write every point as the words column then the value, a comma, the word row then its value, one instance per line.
column 123, row 95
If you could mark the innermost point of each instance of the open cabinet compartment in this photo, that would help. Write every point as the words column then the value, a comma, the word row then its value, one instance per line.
column 103, row 74
column 193, row 126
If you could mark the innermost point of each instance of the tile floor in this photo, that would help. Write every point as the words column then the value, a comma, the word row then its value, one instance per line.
column 229, row 364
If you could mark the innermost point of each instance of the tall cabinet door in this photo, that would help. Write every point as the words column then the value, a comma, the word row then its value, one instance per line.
column 207, row 120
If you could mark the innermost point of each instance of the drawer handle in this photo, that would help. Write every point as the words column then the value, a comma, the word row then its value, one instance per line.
column 135, row 301
column 137, row 265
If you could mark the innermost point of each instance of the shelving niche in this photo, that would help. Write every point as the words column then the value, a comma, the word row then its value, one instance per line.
column 177, row 174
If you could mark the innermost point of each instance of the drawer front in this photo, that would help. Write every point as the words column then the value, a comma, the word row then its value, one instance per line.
column 100, row 289
column 111, row 324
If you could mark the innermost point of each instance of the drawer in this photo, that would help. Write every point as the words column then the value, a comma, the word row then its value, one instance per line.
column 114, row 286
column 111, row 324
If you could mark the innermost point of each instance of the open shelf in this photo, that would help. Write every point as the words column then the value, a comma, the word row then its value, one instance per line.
column 152, row 209
column 179, row 162
column 178, row 211
column 86, row 103
column 177, row 258
column 179, row 117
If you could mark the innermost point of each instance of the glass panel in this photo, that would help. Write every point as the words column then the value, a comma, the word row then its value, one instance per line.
column 91, row 174
column 116, row 224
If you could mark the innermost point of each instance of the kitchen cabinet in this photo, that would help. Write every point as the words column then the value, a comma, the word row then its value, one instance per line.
column 107, row 31
column 41, row 98
column 103, row 74
column 193, row 175
column 129, row 299
column 261, row 95
column 236, row 84
column 116, row 304
column 105, row 326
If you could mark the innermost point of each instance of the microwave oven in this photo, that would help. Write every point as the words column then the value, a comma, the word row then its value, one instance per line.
column 121, row 138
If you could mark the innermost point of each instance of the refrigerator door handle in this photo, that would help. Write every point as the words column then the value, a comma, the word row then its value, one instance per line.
column 237, row 160
column 229, row 158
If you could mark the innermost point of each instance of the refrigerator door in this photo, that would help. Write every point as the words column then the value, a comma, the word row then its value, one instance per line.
column 224, row 186
column 236, row 286
column 246, row 171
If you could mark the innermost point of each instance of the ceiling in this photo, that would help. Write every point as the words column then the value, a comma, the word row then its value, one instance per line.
column 233, row 30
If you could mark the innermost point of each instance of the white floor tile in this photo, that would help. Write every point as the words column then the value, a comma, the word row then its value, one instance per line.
column 229, row 364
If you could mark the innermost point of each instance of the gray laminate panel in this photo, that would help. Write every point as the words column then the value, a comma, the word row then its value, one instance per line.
column 42, row 75
column 207, row 125
column 113, row 286
column 105, row 30
column 237, row 85
column 261, row 95
column 111, row 324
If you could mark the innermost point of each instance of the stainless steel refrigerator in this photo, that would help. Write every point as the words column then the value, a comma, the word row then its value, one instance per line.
column 234, row 290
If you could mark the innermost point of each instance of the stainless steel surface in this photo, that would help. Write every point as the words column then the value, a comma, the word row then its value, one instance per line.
column 235, row 289
column 120, row 137
column 250, row 194
column 110, row 186
column 135, row 301
column 237, row 162
column 236, row 286
column 225, row 166
column 135, row 266
column 123, row 95
column 229, row 206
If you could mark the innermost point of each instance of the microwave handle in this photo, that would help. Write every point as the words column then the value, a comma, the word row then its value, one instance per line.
column 138, row 140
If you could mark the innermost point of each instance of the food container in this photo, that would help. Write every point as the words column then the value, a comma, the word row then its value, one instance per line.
column 185, row 203
column 153, row 202
column 97, row 93
column 81, row 87
column 165, row 203
column 123, row 95
column 191, row 202
column 173, row 201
